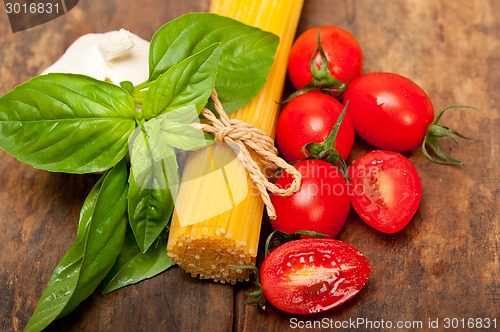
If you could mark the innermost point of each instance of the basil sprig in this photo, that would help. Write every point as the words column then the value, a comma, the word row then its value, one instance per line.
column 67, row 123
column 133, row 266
column 189, row 82
column 178, row 94
column 98, row 242
column 76, row 124
column 246, row 56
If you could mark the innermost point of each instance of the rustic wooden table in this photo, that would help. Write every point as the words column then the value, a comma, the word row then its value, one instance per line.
column 443, row 265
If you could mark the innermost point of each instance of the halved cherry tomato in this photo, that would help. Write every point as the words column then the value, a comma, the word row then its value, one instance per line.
column 385, row 190
column 389, row 111
column 308, row 118
column 321, row 204
column 313, row 275
column 344, row 55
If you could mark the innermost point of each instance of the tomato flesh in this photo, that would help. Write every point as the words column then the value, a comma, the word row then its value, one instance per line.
column 310, row 117
column 343, row 53
column 385, row 190
column 313, row 275
column 389, row 111
column 321, row 204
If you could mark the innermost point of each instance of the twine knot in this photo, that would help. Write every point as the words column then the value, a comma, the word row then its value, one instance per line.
column 221, row 135
column 247, row 136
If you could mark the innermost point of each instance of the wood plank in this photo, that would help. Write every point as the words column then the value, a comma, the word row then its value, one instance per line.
column 39, row 210
column 444, row 264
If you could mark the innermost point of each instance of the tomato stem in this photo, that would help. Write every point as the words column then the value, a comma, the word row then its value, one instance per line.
column 322, row 80
column 435, row 131
column 326, row 150
column 259, row 299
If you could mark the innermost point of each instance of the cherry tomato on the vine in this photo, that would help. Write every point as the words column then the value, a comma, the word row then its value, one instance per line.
column 385, row 190
column 308, row 118
column 321, row 204
column 389, row 111
column 313, row 275
column 344, row 55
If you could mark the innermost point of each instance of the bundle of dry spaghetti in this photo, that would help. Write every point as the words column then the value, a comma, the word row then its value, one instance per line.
column 221, row 227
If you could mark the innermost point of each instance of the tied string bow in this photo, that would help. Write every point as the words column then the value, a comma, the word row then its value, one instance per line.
column 247, row 136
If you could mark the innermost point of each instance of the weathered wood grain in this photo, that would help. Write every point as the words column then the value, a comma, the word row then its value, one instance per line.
column 39, row 210
column 444, row 264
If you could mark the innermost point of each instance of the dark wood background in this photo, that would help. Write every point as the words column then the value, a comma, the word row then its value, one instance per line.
column 443, row 265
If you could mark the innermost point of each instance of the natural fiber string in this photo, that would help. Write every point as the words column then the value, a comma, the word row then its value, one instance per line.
column 247, row 136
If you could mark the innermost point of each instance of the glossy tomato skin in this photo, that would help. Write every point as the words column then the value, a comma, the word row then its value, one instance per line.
column 313, row 275
column 342, row 50
column 389, row 111
column 321, row 204
column 308, row 118
column 385, row 190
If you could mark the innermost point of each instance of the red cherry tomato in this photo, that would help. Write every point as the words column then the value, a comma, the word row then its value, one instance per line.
column 385, row 190
column 313, row 275
column 310, row 117
column 321, row 204
column 389, row 111
column 344, row 55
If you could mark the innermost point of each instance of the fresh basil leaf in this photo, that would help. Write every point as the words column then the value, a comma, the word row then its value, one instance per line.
column 64, row 280
column 246, row 56
column 185, row 114
column 100, row 236
column 154, row 179
column 153, row 184
column 149, row 209
column 106, row 235
column 133, row 266
column 174, row 129
column 183, row 136
column 67, row 123
column 150, row 157
column 189, row 82
column 127, row 86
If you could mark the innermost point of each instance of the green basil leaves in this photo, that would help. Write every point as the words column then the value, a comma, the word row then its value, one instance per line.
column 67, row 123
column 99, row 240
column 245, row 60
column 133, row 266
column 76, row 124
column 189, row 82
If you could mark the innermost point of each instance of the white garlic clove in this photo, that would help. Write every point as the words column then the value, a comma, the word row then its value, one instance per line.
column 117, row 55
column 112, row 48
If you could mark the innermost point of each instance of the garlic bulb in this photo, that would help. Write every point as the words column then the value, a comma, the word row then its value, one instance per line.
column 117, row 55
